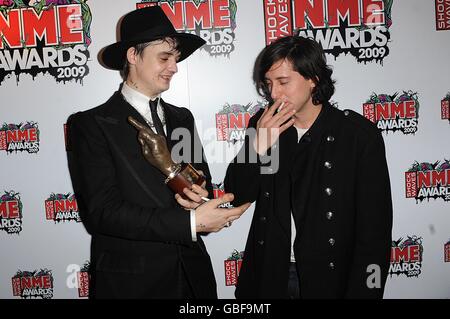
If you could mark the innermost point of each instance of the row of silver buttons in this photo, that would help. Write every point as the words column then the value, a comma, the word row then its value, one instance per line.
column 329, row 191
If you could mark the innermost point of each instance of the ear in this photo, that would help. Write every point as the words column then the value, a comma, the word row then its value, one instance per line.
column 131, row 55
column 312, row 83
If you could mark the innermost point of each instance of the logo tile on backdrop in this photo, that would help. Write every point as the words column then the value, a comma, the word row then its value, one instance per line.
column 212, row 20
column 232, row 267
column 428, row 180
column 33, row 284
column 442, row 15
column 447, row 252
column 445, row 108
column 23, row 137
column 83, row 281
column 359, row 27
column 232, row 121
column 79, row 278
column 62, row 208
column 218, row 190
column 397, row 112
column 406, row 257
column 45, row 37
column 11, row 212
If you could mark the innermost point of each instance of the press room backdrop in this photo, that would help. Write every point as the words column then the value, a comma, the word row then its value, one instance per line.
column 390, row 60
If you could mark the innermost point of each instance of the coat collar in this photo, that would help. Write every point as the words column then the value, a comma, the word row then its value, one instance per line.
column 141, row 102
column 117, row 110
column 321, row 124
column 297, row 157
column 113, row 118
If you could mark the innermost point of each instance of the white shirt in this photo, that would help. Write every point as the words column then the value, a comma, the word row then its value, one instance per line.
column 140, row 103
column 300, row 132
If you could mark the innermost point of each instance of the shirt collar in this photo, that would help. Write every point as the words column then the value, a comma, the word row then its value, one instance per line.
column 300, row 132
column 140, row 101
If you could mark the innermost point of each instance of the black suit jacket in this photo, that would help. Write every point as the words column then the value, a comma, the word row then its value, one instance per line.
column 341, row 234
column 141, row 238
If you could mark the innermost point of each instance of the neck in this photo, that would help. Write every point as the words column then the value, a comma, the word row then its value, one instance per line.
column 305, row 118
column 141, row 89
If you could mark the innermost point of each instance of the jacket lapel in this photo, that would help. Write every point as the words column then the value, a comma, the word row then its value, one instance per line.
column 122, row 137
column 307, row 161
column 174, row 119
column 298, row 163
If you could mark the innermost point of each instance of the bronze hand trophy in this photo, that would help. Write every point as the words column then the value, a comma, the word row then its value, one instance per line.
column 155, row 151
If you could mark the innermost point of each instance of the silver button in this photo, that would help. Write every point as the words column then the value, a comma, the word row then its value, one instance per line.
column 328, row 165
column 261, row 242
column 346, row 112
column 330, row 138
column 331, row 241
column 330, row 215
column 328, row 191
column 331, row 265
column 266, row 194
column 263, row 218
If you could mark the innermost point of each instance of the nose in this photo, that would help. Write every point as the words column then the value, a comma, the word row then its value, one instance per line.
column 275, row 92
column 173, row 67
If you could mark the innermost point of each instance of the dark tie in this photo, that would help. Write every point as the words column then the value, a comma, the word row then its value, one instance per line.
column 155, row 118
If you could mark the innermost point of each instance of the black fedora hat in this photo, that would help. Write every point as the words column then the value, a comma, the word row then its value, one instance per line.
column 145, row 25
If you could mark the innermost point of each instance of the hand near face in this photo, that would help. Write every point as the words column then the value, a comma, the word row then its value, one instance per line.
column 271, row 124
column 154, row 147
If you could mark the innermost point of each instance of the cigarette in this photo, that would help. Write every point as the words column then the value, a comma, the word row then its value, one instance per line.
column 280, row 107
column 205, row 199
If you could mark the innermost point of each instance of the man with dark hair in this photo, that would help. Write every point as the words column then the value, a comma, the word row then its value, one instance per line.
column 322, row 222
column 145, row 241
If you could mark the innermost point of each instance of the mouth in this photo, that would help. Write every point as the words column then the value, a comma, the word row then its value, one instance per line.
column 166, row 77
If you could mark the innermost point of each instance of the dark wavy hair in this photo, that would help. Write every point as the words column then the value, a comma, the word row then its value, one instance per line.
column 307, row 58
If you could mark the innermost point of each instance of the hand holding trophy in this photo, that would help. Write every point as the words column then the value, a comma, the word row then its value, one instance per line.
column 155, row 151
column 210, row 217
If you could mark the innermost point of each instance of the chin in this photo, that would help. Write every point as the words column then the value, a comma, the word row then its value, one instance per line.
column 163, row 86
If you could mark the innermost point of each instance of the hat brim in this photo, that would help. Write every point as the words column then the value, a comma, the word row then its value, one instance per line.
column 113, row 56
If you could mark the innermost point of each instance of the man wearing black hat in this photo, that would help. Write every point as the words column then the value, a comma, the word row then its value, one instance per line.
column 144, row 240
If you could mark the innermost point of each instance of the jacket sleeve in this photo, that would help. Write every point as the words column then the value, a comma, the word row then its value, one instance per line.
column 243, row 176
column 371, row 256
column 103, row 209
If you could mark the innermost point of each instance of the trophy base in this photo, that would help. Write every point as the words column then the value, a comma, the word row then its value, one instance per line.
column 186, row 177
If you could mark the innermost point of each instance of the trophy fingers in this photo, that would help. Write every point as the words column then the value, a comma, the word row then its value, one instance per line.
column 137, row 125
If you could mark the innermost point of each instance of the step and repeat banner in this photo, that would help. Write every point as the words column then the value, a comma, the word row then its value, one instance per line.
column 391, row 61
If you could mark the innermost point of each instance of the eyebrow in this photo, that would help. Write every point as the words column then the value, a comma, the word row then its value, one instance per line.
column 171, row 53
column 277, row 78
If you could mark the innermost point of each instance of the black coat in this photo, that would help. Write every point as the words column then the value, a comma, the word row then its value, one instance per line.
column 141, row 238
column 338, row 235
